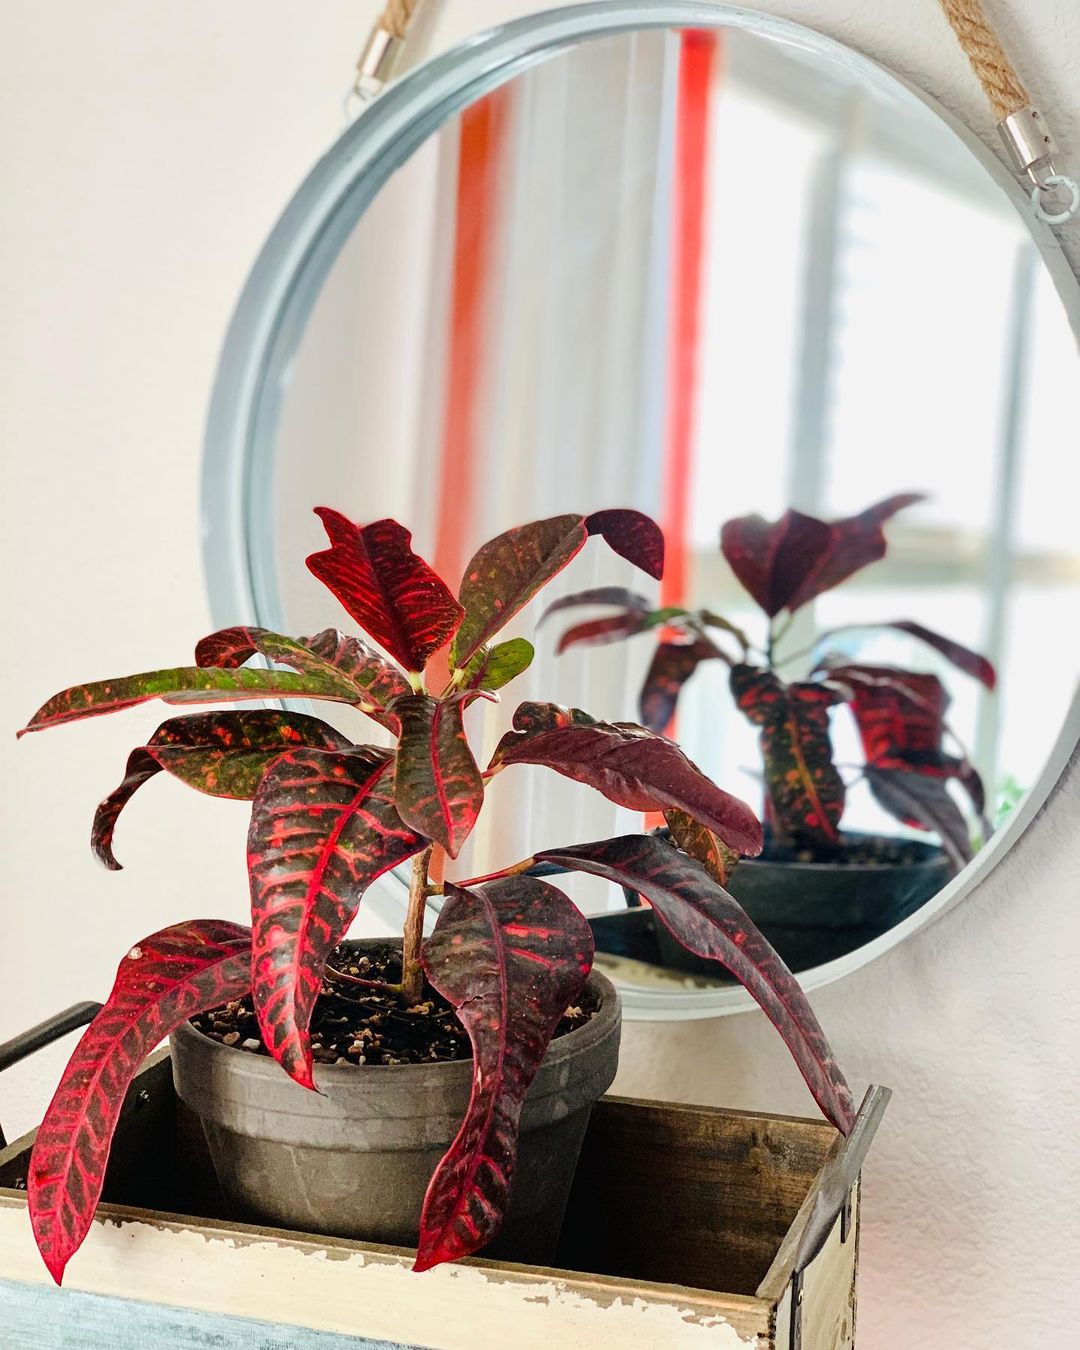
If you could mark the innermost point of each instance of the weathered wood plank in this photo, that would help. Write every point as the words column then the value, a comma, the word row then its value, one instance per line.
column 679, row 1211
column 691, row 1194
column 330, row 1284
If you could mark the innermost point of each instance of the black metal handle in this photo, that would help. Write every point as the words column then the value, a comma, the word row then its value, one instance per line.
column 27, row 1042
column 839, row 1176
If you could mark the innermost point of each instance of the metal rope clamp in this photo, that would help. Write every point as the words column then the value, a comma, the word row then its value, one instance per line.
column 373, row 71
column 1032, row 149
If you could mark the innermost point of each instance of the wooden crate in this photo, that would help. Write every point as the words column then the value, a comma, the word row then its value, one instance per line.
column 686, row 1228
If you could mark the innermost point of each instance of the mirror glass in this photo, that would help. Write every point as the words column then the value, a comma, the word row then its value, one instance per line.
column 708, row 274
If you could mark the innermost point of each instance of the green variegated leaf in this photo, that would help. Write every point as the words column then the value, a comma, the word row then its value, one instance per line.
column 493, row 667
column 182, row 684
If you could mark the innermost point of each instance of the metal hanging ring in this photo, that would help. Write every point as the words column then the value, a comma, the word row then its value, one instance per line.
column 1056, row 180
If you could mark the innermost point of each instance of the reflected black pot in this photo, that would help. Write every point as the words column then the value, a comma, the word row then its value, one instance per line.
column 813, row 912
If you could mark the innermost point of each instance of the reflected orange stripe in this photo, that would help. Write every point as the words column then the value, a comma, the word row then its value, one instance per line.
column 482, row 140
column 698, row 60
column 699, row 54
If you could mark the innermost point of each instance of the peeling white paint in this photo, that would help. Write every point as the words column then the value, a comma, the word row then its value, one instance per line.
column 369, row 1294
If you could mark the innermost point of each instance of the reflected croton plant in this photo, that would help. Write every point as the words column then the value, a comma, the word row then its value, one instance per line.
column 509, row 951
column 900, row 713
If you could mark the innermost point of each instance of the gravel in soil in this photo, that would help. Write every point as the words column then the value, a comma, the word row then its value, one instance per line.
column 353, row 1024
column 854, row 850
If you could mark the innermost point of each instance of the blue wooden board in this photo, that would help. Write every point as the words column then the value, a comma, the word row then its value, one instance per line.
column 42, row 1317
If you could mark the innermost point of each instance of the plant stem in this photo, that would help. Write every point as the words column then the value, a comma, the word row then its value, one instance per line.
column 412, row 972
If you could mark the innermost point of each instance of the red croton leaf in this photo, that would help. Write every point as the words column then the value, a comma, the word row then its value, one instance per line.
column 672, row 665
column 619, row 596
column 221, row 754
column 633, row 536
column 786, row 563
column 372, row 682
column 629, row 765
column 388, row 589
column 183, row 684
column 437, row 784
column 900, row 715
column 805, row 789
column 923, row 801
column 599, row 632
column 506, row 572
column 706, row 920
column 970, row 662
column 323, row 827
column 510, row 955
column 161, row 982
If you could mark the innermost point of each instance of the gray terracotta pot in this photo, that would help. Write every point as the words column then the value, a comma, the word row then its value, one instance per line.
column 356, row 1160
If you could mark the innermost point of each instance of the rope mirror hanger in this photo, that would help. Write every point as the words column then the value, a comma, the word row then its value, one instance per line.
column 1022, row 126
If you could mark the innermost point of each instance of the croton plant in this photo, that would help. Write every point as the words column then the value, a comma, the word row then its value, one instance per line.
column 509, row 951
column 900, row 713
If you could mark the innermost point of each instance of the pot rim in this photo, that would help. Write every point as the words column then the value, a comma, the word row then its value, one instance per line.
column 934, row 860
column 602, row 1024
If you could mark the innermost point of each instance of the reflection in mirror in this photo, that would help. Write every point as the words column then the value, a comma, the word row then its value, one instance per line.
column 712, row 276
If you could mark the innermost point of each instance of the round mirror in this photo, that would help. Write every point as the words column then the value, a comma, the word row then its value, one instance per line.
column 715, row 267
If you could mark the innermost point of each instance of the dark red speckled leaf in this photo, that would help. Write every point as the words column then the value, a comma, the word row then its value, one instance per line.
column 505, row 573
column 855, row 542
column 970, row 662
column 786, row 563
column 618, row 596
column 437, row 784
column 387, row 588
column 701, row 916
column 769, row 557
column 629, row 765
column 183, row 684
column 164, row 980
column 672, row 665
column 633, row 536
column 323, row 827
column 922, row 801
column 510, row 955
column 805, row 790
column 599, row 632
column 223, row 754
column 372, row 680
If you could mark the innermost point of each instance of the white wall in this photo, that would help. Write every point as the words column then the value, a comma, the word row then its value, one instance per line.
column 146, row 150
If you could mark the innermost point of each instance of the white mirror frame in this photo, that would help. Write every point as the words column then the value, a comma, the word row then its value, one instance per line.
column 280, row 292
